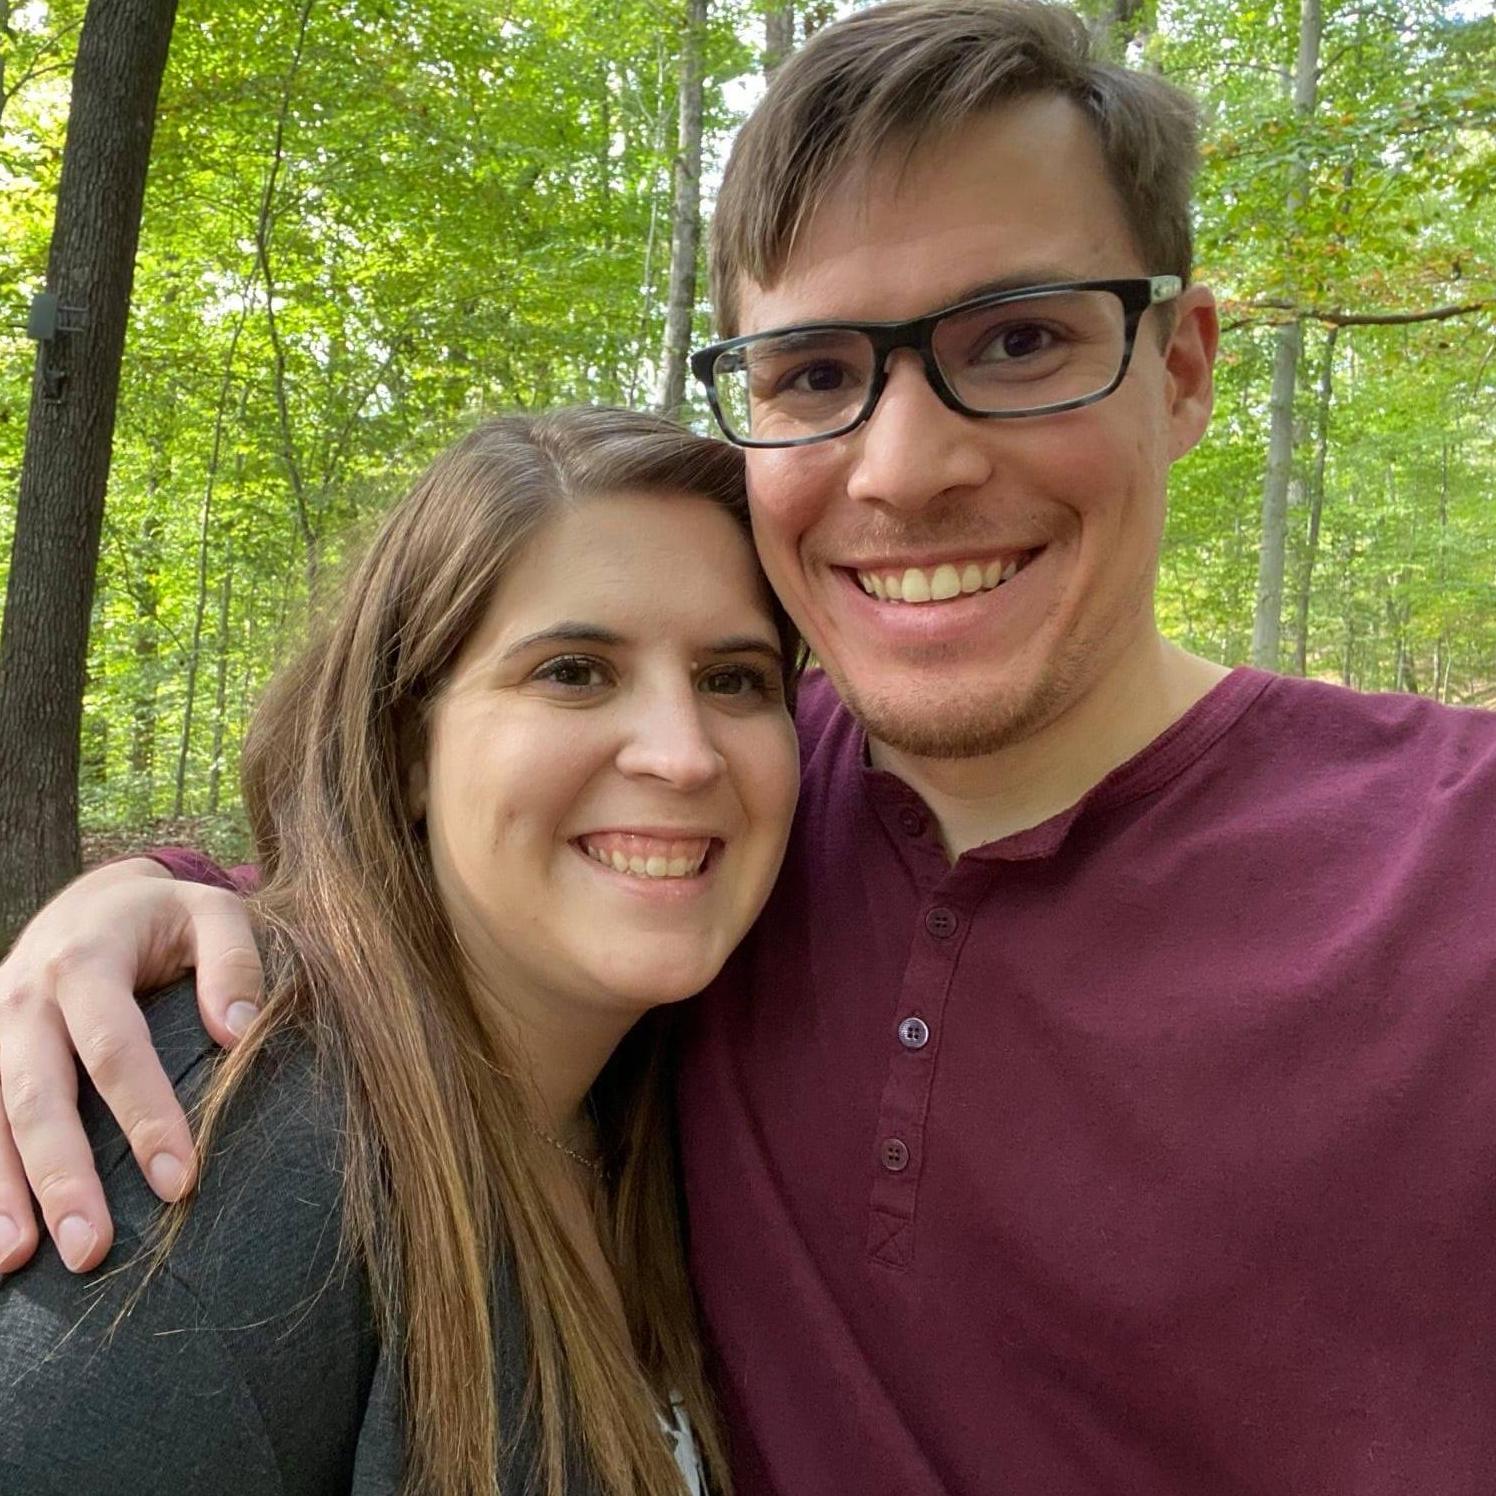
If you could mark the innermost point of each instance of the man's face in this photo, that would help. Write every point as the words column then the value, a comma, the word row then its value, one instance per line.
column 1071, row 506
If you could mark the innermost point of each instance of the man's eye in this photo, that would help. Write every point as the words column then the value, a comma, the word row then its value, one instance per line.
column 823, row 378
column 1022, row 340
column 740, row 681
column 819, row 377
column 572, row 672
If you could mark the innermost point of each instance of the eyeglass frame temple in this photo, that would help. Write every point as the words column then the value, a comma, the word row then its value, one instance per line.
column 1136, row 293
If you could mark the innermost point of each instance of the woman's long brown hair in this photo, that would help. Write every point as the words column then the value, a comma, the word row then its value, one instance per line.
column 443, row 1173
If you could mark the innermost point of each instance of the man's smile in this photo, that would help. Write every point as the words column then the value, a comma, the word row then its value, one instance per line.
column 939, row 583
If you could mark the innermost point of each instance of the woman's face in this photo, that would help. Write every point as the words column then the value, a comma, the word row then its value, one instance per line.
column 610, row 770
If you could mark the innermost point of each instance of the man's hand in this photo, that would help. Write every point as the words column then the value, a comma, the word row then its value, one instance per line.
column 68, row 986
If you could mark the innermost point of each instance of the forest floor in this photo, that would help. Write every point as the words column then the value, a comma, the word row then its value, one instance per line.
column 222, row 837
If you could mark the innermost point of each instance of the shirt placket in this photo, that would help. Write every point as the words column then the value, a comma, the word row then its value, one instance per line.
column 944, row 919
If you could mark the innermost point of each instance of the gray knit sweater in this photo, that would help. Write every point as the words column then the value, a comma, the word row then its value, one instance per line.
column 251, row 1367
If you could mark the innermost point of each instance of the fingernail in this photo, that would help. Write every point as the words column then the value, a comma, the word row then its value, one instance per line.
column 165, row 1173
column 10, row 1236
column 75, row 1240
column 239, row 1017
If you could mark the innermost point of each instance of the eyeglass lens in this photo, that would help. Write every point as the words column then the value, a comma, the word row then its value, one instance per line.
column 1007, row 358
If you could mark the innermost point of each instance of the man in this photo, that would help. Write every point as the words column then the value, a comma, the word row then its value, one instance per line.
column 1104, row 1102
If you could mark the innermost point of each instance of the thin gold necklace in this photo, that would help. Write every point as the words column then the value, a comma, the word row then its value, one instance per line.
column 595, row 1164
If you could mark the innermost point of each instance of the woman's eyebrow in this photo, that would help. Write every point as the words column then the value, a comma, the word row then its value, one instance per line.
column 568, row 631
column 574, row 631
column 746, row 644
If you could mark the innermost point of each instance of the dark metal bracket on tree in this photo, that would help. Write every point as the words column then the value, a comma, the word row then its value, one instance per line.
column 51, row 323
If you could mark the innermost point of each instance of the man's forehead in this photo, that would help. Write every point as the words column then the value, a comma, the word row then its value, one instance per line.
column 1017, row 197
column 1034, row 276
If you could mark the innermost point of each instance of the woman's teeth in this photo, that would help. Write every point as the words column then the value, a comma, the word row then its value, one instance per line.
column 917, row 584
column 647, row 856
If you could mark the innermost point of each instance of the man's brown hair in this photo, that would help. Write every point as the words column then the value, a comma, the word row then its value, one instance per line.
column 910, row 71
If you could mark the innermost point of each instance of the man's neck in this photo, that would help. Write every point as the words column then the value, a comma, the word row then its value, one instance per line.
column 981, row 800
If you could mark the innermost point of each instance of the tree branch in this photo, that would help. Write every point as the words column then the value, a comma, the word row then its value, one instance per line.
column 1335, row 318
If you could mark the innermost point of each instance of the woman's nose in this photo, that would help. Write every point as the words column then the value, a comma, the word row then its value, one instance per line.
column 669, row 740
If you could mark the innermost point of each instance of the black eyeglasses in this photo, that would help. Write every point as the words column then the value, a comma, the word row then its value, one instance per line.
column 1029, row 352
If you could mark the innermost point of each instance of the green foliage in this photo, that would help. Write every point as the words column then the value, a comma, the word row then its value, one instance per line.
column 1395, row 218
column 370, row 220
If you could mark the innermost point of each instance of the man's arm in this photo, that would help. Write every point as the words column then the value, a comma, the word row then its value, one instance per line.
column 67, row 990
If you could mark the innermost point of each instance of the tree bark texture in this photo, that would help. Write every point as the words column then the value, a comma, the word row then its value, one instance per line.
column 685, row 215
column 44, row 647
column 1114, row 26
column 1316, row 503
column 1267, row 619
column 779, row 36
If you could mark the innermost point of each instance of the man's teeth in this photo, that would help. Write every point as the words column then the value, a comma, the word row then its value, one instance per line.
column 647, row 857
column 916, row 584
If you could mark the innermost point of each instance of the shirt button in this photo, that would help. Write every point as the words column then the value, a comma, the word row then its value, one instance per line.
column 894, row 1153
column 912, row 822
column 941, row 923
column 914, row 1033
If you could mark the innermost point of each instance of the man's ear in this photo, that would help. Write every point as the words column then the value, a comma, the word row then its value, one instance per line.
column 1189, row 364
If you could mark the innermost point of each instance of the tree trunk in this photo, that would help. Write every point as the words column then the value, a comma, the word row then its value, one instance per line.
column 779, row 36
column 1114, row 26
column 685, row 217
column 204, row 535
column 1442, row 652
column 301, row 507
column 1267, row 621
column 221, row 685
column 642, row 346
column 146, row 588
column 1316, row 503
column 44, row 649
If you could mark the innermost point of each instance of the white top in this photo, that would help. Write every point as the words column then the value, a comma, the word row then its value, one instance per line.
column 687, row 1457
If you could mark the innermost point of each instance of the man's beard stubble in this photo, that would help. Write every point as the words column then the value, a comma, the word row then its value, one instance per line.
column 973, row 725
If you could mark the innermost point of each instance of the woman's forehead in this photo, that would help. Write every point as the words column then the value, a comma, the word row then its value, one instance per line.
column 639, row 563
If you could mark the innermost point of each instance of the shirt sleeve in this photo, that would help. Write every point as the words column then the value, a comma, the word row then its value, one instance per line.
column 189, row 866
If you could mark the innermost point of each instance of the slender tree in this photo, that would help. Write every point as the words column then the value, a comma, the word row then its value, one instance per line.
column 1267, row 618
column 44, row 646
column 685, row 219
column 779, row 35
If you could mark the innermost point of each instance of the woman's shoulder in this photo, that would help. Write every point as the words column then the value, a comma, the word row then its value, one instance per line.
column 277, row 1151
column 245, row 1361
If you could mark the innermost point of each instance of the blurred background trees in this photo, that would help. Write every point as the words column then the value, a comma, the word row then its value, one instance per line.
column 367, row 221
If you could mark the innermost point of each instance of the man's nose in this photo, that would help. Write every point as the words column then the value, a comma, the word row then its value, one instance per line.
column 914, row 447
column 669, row 739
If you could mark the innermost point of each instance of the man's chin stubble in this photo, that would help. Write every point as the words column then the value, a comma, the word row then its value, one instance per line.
column 973, row 727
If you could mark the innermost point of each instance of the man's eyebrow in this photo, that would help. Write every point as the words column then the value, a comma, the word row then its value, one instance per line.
column 784, row 339
column 1034, row 277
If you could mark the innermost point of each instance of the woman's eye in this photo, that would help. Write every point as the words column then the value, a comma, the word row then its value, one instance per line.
column 572, row 672
column 739, row 681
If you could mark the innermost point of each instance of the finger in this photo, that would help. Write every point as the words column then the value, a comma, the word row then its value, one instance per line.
column 18, row 1236
column 230, row 979
column 114, row 1043
column 39, row 1086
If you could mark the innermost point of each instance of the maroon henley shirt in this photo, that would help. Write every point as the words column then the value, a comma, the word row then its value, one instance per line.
column 1150, row 1152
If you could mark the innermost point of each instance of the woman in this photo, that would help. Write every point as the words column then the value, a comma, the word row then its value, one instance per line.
column 534, row 782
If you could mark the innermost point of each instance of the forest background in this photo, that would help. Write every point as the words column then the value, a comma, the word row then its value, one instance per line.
column 368, row 221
